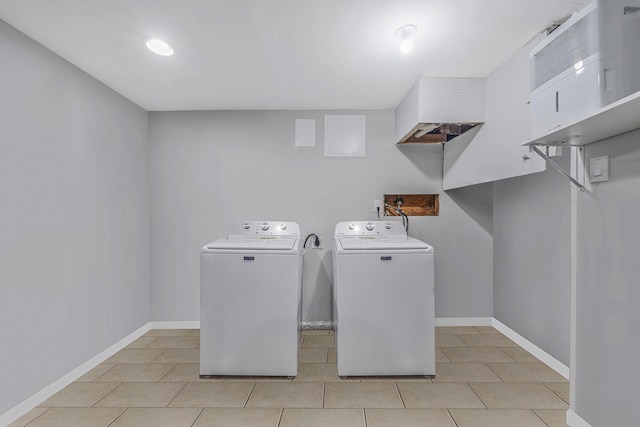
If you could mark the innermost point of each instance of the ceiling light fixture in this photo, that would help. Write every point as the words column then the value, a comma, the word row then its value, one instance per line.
column 405, row 35
column 159, row 47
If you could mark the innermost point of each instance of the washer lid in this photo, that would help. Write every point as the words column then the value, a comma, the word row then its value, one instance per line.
column 259, row 243
column 381, row 243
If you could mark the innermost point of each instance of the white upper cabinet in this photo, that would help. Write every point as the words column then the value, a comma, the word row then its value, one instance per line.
column 495, row 151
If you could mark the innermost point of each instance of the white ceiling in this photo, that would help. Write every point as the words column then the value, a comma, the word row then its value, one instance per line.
column 280, row 54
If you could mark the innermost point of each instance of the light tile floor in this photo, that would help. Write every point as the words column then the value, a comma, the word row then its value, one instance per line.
column 482, row 379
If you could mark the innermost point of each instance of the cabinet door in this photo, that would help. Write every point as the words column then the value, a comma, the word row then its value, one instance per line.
column 495, row 150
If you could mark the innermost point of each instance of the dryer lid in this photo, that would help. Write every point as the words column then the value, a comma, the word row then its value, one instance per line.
column 381, row 243
column 255, row 243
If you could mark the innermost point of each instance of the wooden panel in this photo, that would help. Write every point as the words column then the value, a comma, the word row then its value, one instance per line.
column 442, row 132
column 429, row 138
column 413, row 204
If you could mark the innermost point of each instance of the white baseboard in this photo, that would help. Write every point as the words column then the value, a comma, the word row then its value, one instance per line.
column 33, row 401
column 545, row 357
column 170, row 324
column 463, row 321
column 574, row 420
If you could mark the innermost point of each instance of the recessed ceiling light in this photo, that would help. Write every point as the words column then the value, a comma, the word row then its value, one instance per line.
column 405, row 35
column 160, row 47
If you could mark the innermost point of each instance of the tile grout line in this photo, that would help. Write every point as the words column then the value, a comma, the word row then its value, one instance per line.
column 364, row 414
column 451, row 416
column 47, row 410
column 494, row 372
column 166, row 373
column 324, row 390
column 441, row 348
column 196, row 420
column 150, row 342
column 175, row 395
column 103, row 397
column 508, row 355
column 280, row 418
column 118, row 416
column 400, row 395
column 159, row 354
column 249, row 395
column 539, row 417
column 478, row 396
column 556, row 394
column 104, row 373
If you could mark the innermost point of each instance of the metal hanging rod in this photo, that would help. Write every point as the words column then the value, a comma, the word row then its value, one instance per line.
column 558, row 168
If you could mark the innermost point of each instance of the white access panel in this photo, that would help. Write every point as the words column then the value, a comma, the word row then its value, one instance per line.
column 249, row 310
column 345, row 136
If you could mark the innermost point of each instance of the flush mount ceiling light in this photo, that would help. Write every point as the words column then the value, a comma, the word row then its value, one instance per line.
column 158, row 46
column 405, row 35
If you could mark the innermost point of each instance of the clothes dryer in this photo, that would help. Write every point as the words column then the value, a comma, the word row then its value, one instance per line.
column 250, row 295
column 383, row 296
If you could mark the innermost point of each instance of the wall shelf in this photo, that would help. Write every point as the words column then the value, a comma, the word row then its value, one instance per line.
column 614, row 119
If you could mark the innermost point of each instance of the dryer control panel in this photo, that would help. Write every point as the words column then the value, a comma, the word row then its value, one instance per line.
column 370, row 228
column 265, row 228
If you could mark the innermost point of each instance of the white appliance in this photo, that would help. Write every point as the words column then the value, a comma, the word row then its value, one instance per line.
column 588, row 62
column 250, row 291
column 383, row 300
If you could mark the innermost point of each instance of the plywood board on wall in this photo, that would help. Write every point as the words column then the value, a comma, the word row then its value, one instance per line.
column 413, row 204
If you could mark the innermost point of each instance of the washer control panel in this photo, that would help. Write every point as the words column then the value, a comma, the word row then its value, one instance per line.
column 370, row 228
column 265, row 228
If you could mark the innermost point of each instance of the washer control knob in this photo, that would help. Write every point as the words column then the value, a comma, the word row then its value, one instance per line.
column 351, row 226
column 246, row 225
column 264, row 226
column 283, row 227
column 387, row 226
column 369, row 226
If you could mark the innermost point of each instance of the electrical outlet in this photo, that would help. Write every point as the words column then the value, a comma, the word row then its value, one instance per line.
column 377, row 207
column 599, row 169
column 313, row 243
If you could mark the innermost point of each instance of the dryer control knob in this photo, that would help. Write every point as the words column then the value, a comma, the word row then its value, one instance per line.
column 369, row 226
column 388, row 226
column 283, row 227
column 264, row 226
column 351, row 226
column 246, row 225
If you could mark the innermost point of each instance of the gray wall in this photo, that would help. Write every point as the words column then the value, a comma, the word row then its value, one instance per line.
column 531, row 292
column 211, row 168
column 74, row 252
column 608, row 297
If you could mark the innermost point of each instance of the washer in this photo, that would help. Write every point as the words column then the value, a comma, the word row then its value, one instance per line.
column 250, row 290
column 383, row 300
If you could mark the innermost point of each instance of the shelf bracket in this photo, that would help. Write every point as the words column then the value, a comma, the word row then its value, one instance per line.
column 558, row 168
